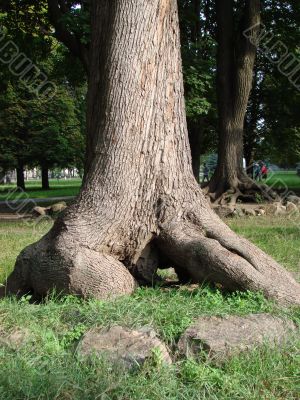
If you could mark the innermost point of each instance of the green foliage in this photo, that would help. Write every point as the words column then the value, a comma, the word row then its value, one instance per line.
column 198, row 49
column 13, row 131
column 197, row 84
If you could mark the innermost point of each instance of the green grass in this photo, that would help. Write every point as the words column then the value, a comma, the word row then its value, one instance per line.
column 277, row 236
column 284, row 180
column 62, row 188
column 65, row 188
column 14, row 237
column 48, row 367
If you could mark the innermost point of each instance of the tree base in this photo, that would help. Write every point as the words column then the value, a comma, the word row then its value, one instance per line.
column 243, row 189
column 197, row 244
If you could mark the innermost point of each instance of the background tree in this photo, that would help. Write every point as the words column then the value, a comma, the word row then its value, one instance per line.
column 235, row 65
column 35, row 132
column 272, row 120
column 54, row 134
column 198, row 49
column 14, row 133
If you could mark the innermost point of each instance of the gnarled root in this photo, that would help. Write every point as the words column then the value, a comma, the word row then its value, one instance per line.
column 244, row 189
column 209, row 251
column 69, row 268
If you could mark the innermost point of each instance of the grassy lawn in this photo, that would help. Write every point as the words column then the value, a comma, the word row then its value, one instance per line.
column 284, row 179
column 61, row 188
column 64, row 188
column 50, row 369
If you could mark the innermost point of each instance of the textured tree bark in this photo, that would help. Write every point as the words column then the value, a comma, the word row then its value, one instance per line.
column 235, row 64
column 45, row 178
column 140, row 207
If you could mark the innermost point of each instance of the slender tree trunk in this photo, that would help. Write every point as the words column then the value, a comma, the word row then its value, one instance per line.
column 195, row 143
column 251, row 124
column 45, row 178
column 20, row 176
column 193, row 129
column 2, row 177
column 236, row 58
column 140, row 208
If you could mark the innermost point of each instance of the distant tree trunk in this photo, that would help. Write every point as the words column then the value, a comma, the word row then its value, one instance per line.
column 195, row 143
column 20, row 176
column 140, row 208
column 251, row 125
column 2, row 176
column 45, row 178
column 235, row 63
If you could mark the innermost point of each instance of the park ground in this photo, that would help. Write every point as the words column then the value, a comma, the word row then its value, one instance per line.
column 50, row 368
column 282, row 180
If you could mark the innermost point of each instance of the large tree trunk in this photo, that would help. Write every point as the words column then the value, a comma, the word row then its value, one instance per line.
column 45, row 178
column 20, row 176
column 235, row 59
column 140, row 207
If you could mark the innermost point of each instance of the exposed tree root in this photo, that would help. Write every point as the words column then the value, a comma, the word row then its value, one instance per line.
column 210, row 251
column 198, row 245
column 246, row 191
column 69, row 269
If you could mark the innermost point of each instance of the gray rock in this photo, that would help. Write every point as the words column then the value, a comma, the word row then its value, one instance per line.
column 260, row 211
column 121, row 345
column 15, row 339
column 224, row 211
column 249, row 212
column 58, row 207
column 293, row 199
column 291, row 208
column 39, row 211
column 238, row 212
column 276, row 209
column 223, row 337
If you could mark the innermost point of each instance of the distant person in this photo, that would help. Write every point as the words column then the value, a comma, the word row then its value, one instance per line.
column 264, row 172
column 205, row 173
column 256, row 171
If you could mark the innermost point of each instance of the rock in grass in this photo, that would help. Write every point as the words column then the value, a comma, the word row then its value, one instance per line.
column 276, row 209
column 294, row 199
column 222, row 337
column 292, row 208
column 224, row 211
column 39, row 211
column 121, row 345
column 249, row 212
column 58, row 207
column 15, row 339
